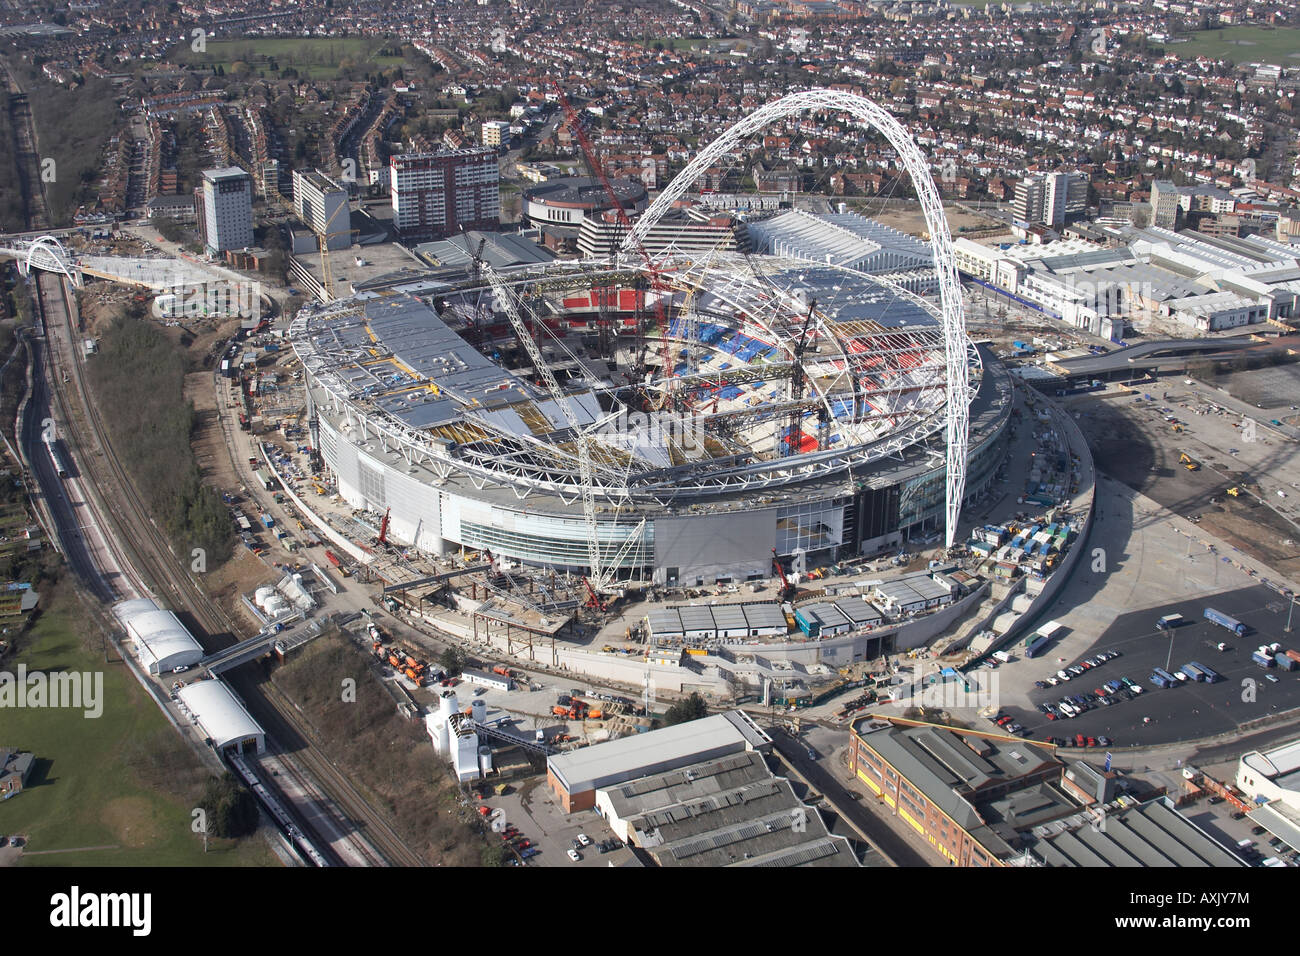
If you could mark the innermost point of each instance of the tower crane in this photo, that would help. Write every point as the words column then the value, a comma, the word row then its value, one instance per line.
column 601, row 572
column 798, row 379
column 658, row 287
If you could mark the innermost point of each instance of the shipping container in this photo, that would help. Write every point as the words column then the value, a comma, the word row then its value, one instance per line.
column 1285, row 663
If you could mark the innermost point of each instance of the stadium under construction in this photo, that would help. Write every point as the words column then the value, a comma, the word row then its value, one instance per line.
column 674, row 423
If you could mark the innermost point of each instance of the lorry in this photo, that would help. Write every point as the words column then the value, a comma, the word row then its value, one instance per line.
column 1035, row 645
column 1221, row 619
column 1284, row 662
column 1262, row 659
column 1162, row 678
column 1192, row 670
column 268, row 521
column 1169, row 622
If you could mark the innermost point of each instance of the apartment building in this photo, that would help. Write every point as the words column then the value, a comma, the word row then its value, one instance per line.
column 435, row 195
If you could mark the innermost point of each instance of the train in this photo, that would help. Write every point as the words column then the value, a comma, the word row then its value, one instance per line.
column 276, row 809
column 56, row 455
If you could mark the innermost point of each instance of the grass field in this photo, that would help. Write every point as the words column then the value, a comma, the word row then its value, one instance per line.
column 1277, row 45
column 315, row 57
column 123, row 780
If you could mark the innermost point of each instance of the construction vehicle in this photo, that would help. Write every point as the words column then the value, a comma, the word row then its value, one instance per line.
column 787, row 589
column 501, row 669
column 382, row 540
column 1235, row 492
column 593, row 599
column 1188, row 463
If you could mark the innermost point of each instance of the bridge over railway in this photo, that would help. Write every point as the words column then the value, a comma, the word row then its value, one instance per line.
column 48, row 254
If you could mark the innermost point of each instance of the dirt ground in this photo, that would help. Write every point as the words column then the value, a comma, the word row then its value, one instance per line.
column 1124, row 448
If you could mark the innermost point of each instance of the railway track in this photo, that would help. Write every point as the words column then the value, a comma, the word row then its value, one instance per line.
column 154, row 560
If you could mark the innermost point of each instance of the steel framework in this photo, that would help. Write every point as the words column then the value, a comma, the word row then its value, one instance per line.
column 960, row 392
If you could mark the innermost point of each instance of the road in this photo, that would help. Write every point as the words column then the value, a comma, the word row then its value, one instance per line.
column 879, row 832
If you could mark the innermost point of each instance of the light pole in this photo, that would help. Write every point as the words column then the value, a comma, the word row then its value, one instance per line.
column 1289, row 609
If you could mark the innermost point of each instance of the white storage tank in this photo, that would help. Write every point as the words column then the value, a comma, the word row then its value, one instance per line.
column 485, row 760
column 449, row 705
column 478, row 710
column 262, row 595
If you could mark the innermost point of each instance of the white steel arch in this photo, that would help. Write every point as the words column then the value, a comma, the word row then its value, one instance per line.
column 950, row 303
column 51, row 256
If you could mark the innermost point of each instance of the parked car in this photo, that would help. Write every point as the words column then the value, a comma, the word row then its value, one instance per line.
column 584, row 840
column 575, row 856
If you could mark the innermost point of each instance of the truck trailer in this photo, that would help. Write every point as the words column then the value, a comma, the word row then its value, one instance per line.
column 1221, row 619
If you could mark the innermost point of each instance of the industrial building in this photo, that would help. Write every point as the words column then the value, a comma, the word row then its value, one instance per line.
column 323, row 205
column 435, row 195
column 455, row 738
column 222, row 717
column 717, row 621
column 1153, row 833
column 224, row 209
column 1271, row 776
column 160, row 641
column 726, row 811
column 424, row 402
column 1206, row 283
column 967, row 794
column 575, row 777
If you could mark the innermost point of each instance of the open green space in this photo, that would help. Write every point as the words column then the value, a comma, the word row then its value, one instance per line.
column 1244, row 44
column 314, row 57
column 124, row 780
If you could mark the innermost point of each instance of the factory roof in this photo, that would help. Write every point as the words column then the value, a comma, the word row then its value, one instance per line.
column 621, row 760
column 1148, row 834
column 729, row 811
column 499, row 250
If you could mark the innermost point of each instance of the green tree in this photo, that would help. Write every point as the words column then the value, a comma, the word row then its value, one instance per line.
column 692, row 708
column 452, row 660
column 231, row 809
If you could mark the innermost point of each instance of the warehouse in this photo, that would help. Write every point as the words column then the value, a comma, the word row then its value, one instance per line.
column 222, row 717
column 728, row 811
column 161, row 642
column 576, row 776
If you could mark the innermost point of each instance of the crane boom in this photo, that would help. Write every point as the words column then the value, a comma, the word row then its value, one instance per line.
column 507, row 302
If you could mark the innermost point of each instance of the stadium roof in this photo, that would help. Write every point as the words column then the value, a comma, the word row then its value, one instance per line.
column 844, row 239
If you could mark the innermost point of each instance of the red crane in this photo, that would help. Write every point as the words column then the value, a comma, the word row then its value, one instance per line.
column 383, row 529
column 593, row 599
column 657, row 285
column 787, row 589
